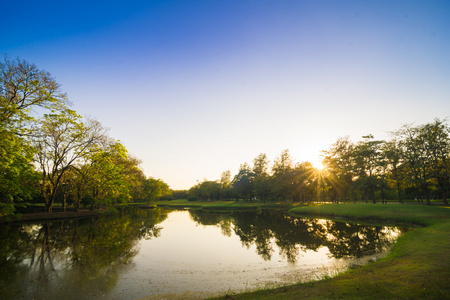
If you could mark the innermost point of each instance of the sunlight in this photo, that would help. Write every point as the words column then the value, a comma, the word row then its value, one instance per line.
column 318, row 165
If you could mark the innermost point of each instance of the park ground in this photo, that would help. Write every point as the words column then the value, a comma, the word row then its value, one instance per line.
column 418, row 266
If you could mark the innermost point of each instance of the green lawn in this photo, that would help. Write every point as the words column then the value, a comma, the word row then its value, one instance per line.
column 221, row 205
column 418, row 266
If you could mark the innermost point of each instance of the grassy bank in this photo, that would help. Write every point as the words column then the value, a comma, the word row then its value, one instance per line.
column 53, row 216
column 221, row 205
column 418, row 266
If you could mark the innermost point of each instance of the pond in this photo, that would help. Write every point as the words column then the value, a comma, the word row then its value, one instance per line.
column 168, row 253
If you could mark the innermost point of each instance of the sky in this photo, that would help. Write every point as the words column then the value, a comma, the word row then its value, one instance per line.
column 195, row 88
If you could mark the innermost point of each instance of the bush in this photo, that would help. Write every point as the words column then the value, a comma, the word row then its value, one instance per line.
column 192, row 198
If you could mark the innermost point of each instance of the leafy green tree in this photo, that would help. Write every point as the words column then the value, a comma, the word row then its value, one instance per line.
column 416, row 155
column 305, row 182
column 110, row 180
column 179, row 194
column 207, row 190
column 242, row 182
column 226, row 189
column 60, row 140
column 154, row 189
column 367, row 157
column 261, row 181
column 18, row 180
column 339, row 161
column 393, row 156
column 283, row 176
column 23, row 87
column 437, row 140
column 283, row 163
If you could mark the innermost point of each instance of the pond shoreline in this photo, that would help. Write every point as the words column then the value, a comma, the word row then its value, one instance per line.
column 418, row 266
column 57, row 215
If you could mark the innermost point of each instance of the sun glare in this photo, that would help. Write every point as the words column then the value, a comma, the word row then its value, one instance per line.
column 318, row 165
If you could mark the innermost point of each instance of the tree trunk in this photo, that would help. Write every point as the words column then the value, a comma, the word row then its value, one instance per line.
column 373, row 196
column 48, row 207
column 64, row 203
column 399, row 192
column 444, row 197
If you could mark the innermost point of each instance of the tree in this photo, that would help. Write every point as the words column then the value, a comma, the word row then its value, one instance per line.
column 18, row 180
column 393, row 155
column 283, row 163
column 339, row 161
column 415, row 154
column 154, row 189
column 282, row 179
column 261, row 186
column 305, row 182
column 226, row 190
column 437, row 141
column 367, row 157
column 242, row 182
column 114, row 176
column 22, row 87
column 60, row 140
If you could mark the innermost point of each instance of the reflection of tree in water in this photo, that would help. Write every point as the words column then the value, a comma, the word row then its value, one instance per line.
column 65, row 259
column 219, row 219
column 353, row 240
column 292, row 235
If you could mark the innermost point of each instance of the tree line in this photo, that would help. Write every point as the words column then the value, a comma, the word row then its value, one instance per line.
column 413, row 164
column 49, row 153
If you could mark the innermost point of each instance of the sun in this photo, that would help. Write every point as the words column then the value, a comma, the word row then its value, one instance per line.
column 318, row 165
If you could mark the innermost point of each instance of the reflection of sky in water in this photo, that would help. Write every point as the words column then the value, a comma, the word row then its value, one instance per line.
column 197, row 258
column 185, row 258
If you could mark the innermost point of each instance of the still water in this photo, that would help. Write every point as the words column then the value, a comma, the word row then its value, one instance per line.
column 162, row 253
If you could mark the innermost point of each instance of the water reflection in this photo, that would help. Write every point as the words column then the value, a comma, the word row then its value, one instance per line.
column 51, row 259
column 140, row 252
column 292, row 236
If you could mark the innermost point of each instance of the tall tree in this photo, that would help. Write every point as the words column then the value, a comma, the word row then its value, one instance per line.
column 305, row 182
column 154, row 189
column 18, row 180
column 261, row 185
column 22, row 87
column 60, row 140
column 392, row 153
column 242, row 182
column 437, row 144
column 339, row 161
column 416, row 154
column 282, row 178
column 367, row 158
column 114, row 176
column 226, row 190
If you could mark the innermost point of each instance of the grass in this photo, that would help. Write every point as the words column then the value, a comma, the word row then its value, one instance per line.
column 221, row 205
column 418, row 266
column 56, row 215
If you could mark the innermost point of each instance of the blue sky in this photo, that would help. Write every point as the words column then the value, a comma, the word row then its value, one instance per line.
column 194, row 88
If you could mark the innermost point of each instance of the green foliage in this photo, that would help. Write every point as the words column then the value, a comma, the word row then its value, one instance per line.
column 179, row 194
column 417, row 266
column 22, row 87
column 154, row 189
column 74, row 159
column 414, row 164
column 192, row 198
column 18, row 180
